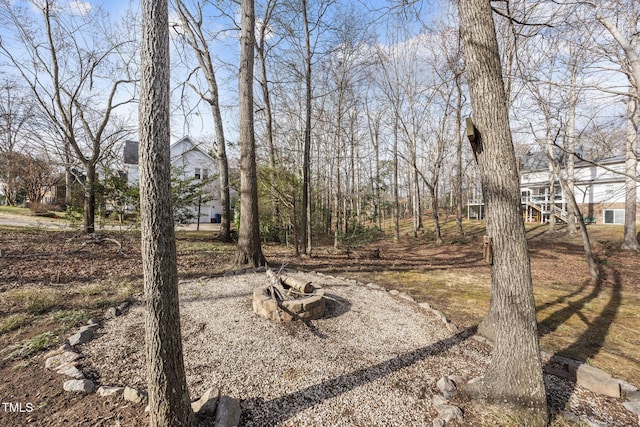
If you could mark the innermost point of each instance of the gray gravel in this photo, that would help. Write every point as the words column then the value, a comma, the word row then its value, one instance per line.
column 373, row 359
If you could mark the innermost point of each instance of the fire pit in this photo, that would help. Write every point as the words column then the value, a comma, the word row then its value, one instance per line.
column 285, row 298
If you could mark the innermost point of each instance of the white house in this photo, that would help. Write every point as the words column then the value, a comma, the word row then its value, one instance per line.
column 599, row 190
column 193, row 161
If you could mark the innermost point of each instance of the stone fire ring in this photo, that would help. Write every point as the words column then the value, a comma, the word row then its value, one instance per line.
column 309, row 307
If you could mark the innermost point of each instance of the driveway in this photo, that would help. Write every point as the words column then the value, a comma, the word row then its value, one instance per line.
column 12, row 220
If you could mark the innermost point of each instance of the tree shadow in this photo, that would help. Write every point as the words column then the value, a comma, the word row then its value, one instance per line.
column 559, row 300
column 278, row 410
column 591, row 341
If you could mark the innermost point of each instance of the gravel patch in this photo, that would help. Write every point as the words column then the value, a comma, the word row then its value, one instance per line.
column 373, row 359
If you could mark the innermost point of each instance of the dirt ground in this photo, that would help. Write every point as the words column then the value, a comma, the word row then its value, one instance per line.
column 51, row 281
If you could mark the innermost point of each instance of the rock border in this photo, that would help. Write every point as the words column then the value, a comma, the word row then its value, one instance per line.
column 65, row 361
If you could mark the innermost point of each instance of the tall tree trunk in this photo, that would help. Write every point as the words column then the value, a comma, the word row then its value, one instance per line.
column 336, row 204
column 631, row 169
column 90, row 199
column 249, row 250
column 169, row 403
column 195, row 37
column 396, row 198
column 306, row 162
column 266, row 97
column 459, row 200
column 586, row 243
column 514, row 376
column 68, row 176
column 223, row 179
column 434, row 209
column 552, row 175
column 571, row 147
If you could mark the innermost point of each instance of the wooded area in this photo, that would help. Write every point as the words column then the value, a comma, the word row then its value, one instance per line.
column 358, row 109
column 357, row 120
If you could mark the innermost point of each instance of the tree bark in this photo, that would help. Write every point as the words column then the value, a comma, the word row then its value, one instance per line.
column 195, row 37
column 169, row 403
column 631, row 169
column 396, row 197
column 89, row 217
column 249, row 250
column 459, row 137
column 514, row 377
column 306, row 162
column 571, row 144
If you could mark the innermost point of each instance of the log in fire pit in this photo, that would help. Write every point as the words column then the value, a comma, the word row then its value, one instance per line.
column 284, row 298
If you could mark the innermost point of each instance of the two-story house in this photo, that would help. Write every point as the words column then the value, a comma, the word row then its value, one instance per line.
column 193, row 161
column 599, row 190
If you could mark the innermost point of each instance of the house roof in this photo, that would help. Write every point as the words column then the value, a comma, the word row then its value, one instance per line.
column 537, row 161
column 130, row 152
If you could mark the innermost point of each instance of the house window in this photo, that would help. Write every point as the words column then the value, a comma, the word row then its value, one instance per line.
column 205, row 173
column 613, row 216
column 197, row 174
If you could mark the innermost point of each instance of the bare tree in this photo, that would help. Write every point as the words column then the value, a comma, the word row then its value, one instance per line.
column 15, row 114
column 630, row 241
column 249, row 250
column 68, row 75
column 622, row 27
column 512, row 315
column 192, row 32
column 169, row 403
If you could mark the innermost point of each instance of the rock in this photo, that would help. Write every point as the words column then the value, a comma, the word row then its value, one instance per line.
column 394, row 292
column 449, row 413
column 457, row 380
column 442, row 316
column 228, row 412
column 446, row 387
column 633, row 396
column 83, row 335
column 425, row 305
column 111, row 313
column 597, row 381
column 438, row 401
column 632, row 406
column 70, row 371
column 588, row 422
column 133, row 395
column 207, row 403
column 92, row 322
column 626, row 387
column 570, row 416
column 79, row 386
column 406, row 297
column 125, row 304
column 105, row 391
column 438, row 422
column 55, row 362
column 65, row 347
column 452, row 327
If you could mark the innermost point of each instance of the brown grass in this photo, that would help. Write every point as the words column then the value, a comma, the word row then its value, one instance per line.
column 592, row 322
